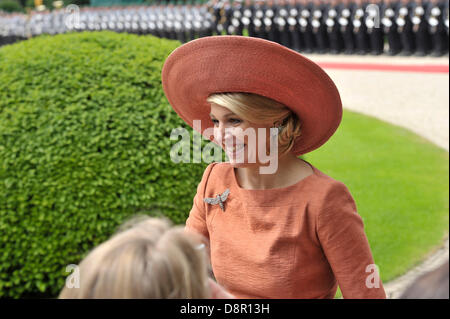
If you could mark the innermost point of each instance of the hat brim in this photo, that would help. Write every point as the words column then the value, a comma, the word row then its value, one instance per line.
column 218, row 64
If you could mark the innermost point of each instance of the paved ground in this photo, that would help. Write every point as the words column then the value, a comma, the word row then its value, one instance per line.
column 416, row 101
column 379, row 59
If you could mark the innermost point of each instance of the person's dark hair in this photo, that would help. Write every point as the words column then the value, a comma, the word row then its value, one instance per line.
column 432, row 285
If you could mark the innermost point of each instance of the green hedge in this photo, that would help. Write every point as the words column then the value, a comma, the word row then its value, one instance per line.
column 84, row 144
column 10, row 6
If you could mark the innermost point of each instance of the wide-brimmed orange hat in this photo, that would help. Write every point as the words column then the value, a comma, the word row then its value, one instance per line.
column 231, row 63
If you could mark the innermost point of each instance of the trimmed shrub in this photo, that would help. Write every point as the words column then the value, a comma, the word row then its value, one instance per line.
column 10, row 6
column 84, row 144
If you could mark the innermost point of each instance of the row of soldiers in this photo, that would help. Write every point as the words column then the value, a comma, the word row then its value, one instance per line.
column 182, row 22
column 403, row 27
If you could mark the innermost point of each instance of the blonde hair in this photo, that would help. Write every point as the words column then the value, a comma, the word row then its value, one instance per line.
column 147, row 258
column 259, row 109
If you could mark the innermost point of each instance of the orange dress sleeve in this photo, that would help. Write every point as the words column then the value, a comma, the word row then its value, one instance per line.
column 341, row 234
column 197, row 216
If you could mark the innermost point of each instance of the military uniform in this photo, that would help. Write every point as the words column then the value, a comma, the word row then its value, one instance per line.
column 435, row 17
column 374, row 12
column 362, row 44
column 207, row 27
column 281, row 31
column 307, row 39
column 247, row 20
column 404, row 27
column 331, row 17
column 389, row 26
column 221, row 22
column 420, row 27
column 258, row 19
column 236, row 27
column 293, row 30
column 268, row 21
column 446, row 17
column 217, row 11
column 346, row 26
column 228, row 12
column 410, row 26
column 319, row 28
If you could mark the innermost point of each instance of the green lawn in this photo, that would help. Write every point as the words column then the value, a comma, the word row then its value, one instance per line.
column 400, row 183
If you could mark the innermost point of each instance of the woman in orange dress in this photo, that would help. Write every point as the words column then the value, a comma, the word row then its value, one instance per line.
column 282, row 230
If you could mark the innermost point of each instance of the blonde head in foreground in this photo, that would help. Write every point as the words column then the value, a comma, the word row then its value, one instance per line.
column 147, row 258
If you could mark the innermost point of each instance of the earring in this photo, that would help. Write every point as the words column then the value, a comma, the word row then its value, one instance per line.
column 280, row 128
column 278, row 131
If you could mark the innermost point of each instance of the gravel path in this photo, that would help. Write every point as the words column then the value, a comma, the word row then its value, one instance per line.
column 416, row 101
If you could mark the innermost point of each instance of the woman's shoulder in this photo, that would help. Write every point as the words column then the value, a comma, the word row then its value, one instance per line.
column 216, row 176
column 216, row 172
column 326, row 188
column 324, row 180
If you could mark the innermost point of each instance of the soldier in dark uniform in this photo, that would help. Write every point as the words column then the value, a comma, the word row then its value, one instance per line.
column 258, row 19
column 2, row 28
column 212, row 11
column 435, row 17
column 404, row 27
column 346, row 26
column 373, row 23
column 189, row 21
column 275, row 26
column 188, row 28
column 215, row 12
column 293, row 8
column 5, row 30
column 319, row 28
column 207, row 27
column 362, row 44
column 178, row 22
column 158, row 21
column 180, row 31
column 446, row 16
column 236, row 26
column 420, row 27
column 183, row 24
column 198, row 19
column 269, row 16
column 282, row 30
column 331, row 17
column 247, row 17
column 151, row 22
column 133, row 22
column 389, row 25
column 168, row 22
column 222, row 21
column 119, row 23
column 228, row 15
column 308, row 44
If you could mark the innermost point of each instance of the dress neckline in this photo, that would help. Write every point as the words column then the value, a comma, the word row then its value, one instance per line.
column 269, row 197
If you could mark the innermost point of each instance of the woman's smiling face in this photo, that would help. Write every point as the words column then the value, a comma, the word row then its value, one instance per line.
column 238, row 137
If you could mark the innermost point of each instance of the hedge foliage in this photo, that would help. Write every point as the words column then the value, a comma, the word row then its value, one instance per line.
column 84, row 145
column 10, row 6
